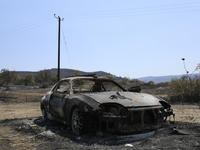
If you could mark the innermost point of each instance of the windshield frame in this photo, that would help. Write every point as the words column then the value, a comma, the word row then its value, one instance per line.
column 97, row 81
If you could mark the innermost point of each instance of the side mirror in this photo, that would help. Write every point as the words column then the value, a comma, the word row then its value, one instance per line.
column 134, row 89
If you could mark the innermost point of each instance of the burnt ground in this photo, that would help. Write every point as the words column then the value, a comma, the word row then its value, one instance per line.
column 31, row 133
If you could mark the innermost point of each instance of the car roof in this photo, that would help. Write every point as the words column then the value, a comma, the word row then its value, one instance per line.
column 90, row 77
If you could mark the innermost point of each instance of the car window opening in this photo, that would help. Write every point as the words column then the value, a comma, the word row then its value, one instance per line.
column 83, row 86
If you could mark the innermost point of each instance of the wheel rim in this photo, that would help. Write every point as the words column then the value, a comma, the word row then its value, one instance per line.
column 77, row 121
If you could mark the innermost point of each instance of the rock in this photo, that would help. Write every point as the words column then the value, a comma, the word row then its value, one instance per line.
column 129, row 145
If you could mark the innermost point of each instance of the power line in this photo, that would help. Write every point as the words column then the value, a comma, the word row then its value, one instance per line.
column 131, row 14
column 23, row 30
column 142, row 11
column 27, row 24
column 66, row 48
column 163, row 9
column 25, row 27
column 153, row 8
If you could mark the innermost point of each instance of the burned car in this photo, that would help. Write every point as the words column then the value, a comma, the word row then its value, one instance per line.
column 87, row 103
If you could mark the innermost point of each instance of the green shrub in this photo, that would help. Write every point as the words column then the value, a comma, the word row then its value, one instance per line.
column 42, row 76
column 44, row 85
column 6, row 86
column 185, row 89
column 6, row 77
column 29, row 79
column 54, row 79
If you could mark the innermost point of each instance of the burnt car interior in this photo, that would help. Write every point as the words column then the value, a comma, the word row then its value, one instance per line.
column 90, row 85
column 63, row 87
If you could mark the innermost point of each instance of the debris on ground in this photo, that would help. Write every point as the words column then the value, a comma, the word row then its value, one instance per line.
column 51, row 135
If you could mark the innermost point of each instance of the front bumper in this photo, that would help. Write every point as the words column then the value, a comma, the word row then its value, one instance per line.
column 137, row 120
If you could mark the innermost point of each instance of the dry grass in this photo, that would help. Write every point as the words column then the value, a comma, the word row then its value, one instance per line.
column 19, row 110
column 33, row 95
column 21, row 103
column 158, row 92
column 183, row 112
column 187, row 113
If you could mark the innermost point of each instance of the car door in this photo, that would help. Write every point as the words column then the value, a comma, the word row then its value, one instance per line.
column 58, row 99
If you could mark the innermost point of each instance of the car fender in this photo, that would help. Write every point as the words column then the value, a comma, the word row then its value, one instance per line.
column 45, row 101
column 84, row 103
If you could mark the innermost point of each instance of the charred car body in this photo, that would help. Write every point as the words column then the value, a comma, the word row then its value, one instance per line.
column 88, row 103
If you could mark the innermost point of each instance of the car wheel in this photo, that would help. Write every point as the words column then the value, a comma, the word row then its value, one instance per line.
column 77, row 121
column 44, row 115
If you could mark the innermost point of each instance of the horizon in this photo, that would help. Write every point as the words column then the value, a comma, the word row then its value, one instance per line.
column 106, row 72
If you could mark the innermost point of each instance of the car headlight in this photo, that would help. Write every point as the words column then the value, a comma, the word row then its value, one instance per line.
column 114, row 109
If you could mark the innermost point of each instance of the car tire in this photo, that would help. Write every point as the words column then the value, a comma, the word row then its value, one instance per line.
column 77, row 121
column 44, row 115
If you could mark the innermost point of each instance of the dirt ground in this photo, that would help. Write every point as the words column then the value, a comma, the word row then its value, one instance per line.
column 21, row 128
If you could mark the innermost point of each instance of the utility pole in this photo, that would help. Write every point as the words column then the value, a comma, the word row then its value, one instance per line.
column 59, row 19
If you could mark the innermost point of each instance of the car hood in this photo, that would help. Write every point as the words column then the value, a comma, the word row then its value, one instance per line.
column 127, row 99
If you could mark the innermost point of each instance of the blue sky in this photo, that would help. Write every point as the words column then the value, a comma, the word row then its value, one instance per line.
column 126, row 38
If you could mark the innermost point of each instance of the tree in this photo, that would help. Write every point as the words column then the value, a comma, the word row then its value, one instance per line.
column 125, row 81
column 16, row 79
column 42, row 76
column 151, row 83
column 22, row 80
column 29, row 79
column 54, row 79
column 77, row 73
column 110, row 76
column 6, row 77
column 135, row 82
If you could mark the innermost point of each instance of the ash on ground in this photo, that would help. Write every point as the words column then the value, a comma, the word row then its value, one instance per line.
column 52, row 135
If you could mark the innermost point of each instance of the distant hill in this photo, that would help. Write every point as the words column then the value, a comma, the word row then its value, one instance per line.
column 24, row 73
column 63, row 72
column 70, row 72
column 158, row 79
